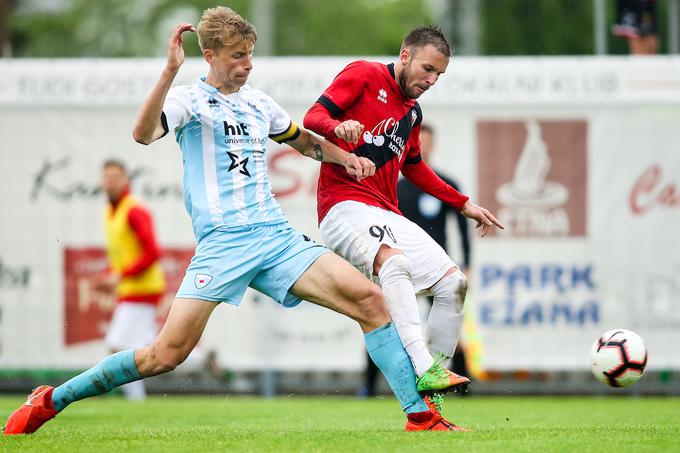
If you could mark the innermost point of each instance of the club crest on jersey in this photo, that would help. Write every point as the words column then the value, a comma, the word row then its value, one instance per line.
column 382, row 96
column 202, row 280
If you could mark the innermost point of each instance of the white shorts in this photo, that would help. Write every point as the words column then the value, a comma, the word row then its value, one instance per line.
column 133, row 325
column 356, row 231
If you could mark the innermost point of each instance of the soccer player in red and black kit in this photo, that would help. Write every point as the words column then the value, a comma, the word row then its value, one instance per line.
column 370, row 110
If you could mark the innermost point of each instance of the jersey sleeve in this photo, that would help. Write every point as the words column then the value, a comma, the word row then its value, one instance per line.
column 413, row 154
column 176, row 112
column 281, row 128
column 346, row 88
column 428, row 181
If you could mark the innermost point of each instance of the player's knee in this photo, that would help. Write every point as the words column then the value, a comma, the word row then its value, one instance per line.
column 462, row 283
column 452, row 287
column 395, row 267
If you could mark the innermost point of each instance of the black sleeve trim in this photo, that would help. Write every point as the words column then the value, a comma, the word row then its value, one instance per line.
column 419, row 115
column 413, row 160
column 330, row 105
column 290, row 134
column 164, row 122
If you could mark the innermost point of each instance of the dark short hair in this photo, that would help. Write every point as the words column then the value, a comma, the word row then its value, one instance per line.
column 427, row 34
column 115, row 163
column 425, row 127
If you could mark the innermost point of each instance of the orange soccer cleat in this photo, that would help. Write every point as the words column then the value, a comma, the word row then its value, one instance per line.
column 33, row 413
column 430, row 421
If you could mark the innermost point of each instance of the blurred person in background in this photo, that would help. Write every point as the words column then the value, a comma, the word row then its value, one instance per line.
column 135, row 275
column 370, row 110
column 431, row 215
column 636, row 20
column 244, row 239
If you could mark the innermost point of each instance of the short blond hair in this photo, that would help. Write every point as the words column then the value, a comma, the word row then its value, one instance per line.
column 221, row 26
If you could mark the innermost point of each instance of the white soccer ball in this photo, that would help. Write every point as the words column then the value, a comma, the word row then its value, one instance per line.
column 618, row 358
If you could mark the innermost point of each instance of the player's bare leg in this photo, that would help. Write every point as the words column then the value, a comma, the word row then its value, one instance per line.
column 333, row 283
column 182, row 330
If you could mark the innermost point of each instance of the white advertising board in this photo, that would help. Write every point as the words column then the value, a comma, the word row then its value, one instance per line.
column 579, row 157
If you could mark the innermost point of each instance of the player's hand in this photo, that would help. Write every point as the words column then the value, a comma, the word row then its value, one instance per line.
column 485, row 219
column 349, row 131
column 175, row 49
column 359, row 167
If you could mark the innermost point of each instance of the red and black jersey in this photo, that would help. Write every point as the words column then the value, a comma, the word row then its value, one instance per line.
column 367, row 92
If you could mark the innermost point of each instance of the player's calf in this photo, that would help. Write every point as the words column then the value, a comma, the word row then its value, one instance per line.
column 371, row 310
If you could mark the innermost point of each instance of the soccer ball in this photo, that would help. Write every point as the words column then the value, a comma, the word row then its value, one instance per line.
column 618, row 358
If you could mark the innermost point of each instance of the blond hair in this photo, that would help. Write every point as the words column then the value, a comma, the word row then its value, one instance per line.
column 221, row 26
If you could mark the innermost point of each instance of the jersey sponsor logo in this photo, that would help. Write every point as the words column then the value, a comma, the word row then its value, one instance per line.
column 382, row 96
column 213, row 103
column 386, row 141
column 377, row 140
column 387, row 128
column 414, row 117
column 202, row 280
column 240, row 164
column 238, row 129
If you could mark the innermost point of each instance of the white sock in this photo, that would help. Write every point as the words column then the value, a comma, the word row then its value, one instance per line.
column 420, row 356
column 445, row 322
column 395, row 279
column 134, row 391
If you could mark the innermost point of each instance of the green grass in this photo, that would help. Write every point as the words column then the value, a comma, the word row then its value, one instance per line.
column 330, row 424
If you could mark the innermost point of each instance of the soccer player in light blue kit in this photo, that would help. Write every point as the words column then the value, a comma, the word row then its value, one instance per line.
column 222, row 126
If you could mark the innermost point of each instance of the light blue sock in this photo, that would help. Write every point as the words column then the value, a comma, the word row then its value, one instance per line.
column 384, row 346
column 115, row 370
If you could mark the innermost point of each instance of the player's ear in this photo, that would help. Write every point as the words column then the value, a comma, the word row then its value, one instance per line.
column 209, row 55
column 404, row 55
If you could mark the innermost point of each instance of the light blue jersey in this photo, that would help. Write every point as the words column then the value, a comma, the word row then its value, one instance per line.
column 243, row 236
column 223, row 139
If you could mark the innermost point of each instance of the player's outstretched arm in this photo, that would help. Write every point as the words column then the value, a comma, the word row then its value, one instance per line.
column 325, row 151
column 420, row 174
column 485, row 219
column 148, row 127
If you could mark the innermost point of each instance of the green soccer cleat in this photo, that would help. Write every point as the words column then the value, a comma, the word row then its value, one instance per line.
column 434, row 402
column 441, row 380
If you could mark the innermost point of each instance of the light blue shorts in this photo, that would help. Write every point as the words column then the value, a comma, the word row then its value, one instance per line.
column 268, row 258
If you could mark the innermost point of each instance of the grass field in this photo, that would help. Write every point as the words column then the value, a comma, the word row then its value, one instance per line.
column 331, row 424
